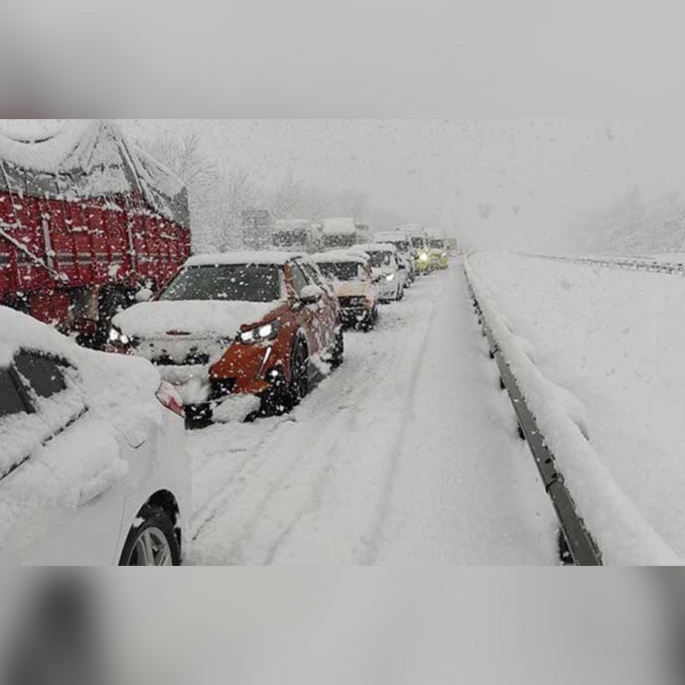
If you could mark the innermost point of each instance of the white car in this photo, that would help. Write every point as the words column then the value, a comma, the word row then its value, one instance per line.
column 389, row 275
column 93, row 467
column 405, row 251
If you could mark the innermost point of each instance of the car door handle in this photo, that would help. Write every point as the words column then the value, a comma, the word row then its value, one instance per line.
column 90, row 493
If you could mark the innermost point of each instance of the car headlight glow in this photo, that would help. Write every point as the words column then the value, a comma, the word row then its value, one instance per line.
column 116, row 337
column 267, row 331
column 423, row 257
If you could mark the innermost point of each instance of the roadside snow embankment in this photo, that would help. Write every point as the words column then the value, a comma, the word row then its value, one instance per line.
column 596, row 355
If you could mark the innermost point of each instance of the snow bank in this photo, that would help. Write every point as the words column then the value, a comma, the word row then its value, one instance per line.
column 205, row 318
column 520, row 307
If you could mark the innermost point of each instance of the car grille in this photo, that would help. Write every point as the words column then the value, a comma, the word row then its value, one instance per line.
column 350, row 302
column 192, row 359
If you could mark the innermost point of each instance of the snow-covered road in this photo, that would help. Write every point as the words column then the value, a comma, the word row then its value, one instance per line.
column 406, row 455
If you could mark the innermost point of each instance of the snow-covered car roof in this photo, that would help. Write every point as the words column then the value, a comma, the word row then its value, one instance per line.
column 288, row 225
column 276, row 258
column 87, row 159
column 375, row 247
column 340, row 256
column 19, row 331
column 413, row 230
column 343, row 224
column 391, row 237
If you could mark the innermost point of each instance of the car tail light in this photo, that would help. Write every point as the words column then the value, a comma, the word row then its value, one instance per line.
column 170, row 398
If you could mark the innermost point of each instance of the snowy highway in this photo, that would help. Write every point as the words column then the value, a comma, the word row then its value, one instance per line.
column 408, row 454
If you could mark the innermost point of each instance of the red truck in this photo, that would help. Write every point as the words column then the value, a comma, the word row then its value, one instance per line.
column 87, row 222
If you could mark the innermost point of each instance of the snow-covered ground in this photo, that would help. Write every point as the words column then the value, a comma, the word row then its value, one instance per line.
column 405, row 455
column 602, row 349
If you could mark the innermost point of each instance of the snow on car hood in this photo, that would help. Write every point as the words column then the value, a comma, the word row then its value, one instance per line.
column 350, row 288
column 210, row 319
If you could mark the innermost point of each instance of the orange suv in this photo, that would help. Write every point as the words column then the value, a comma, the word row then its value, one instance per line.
column 237, row 334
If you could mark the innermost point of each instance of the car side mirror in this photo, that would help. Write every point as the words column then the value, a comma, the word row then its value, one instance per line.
column 311, row 294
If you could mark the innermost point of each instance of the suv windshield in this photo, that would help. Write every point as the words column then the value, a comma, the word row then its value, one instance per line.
column 342, row 271
column 229, row 282
column 289, row 238
column 339, row 240
column 437, row 244
column 379, row 259
column 417, row 243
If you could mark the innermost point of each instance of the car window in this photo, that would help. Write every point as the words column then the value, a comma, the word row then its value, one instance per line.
column 342, row 271
column 313, row 275
column 42, row 374
column 227, row 282
column 299, row 278
column 10, row 399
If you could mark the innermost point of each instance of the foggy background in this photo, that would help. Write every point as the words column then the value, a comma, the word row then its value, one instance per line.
column 567, row 185
column 558, row 186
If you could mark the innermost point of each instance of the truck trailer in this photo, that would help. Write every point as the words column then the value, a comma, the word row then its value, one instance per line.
column 88, row 224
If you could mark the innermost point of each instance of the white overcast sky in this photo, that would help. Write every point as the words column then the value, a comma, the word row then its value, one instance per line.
column 537, row 174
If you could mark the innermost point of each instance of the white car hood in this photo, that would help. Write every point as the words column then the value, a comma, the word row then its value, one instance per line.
column 199, row 319
column 350, row 288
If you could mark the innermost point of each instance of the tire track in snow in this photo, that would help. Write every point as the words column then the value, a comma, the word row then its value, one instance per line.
column 398, row 445
column 304, row 478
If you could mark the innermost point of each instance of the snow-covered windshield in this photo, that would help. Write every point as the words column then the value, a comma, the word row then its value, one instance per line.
column 342, row 271
column 334, row 240
column 289, row 238
column 228, row 282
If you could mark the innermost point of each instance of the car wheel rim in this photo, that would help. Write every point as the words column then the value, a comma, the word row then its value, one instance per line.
column 151, row 549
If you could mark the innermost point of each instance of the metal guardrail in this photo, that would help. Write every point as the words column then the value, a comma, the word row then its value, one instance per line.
column 579, row 543
column 626, row 263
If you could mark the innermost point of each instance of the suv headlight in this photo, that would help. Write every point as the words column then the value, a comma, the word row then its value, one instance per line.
column 261, row 333
column 423, row 257
column 116, row 337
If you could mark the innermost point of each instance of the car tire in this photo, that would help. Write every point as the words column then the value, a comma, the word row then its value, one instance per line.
column 299, row 374
column 338, row 352
column 153, row 542
column 370, row 322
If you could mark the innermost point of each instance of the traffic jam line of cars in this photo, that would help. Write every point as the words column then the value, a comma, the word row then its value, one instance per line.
column 93, row 468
